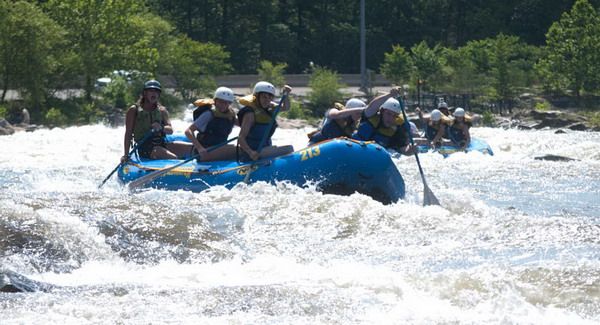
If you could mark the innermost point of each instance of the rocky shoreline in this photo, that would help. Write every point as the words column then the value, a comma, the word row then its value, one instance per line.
column 538, row 120
column 523, row 120
column 6, row 128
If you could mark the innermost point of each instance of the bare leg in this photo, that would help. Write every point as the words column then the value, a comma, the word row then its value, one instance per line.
column 159, row 152
column 226, row 152
column 274, row 151
column 180, row 149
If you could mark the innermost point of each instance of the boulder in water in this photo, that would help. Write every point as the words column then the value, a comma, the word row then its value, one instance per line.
column 554, row 158
column 14, row 282
column 5, row 127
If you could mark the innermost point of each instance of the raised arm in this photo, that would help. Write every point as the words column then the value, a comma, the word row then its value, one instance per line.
column 285, row 106
column 376, row 103
column 335, row 114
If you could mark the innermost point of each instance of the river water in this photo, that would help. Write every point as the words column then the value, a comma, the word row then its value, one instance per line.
column 515, row 240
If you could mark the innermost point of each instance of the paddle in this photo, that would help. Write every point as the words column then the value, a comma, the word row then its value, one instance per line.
column 428, row 196
column 156, row 174
column 264, row 138
column 146, row 137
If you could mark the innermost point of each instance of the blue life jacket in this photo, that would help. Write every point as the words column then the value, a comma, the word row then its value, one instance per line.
column 262, row 120
column 218, row 129
column 455, row 133
column 372, row 129
column 334, row 129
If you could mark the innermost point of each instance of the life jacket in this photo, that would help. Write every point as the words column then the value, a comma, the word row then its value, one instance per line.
column 432, row 129
column 372, row 128
column 455, row 131
column 262, row 120
column 201, row 106
column 143, row 125
column 218, row 128
column 334, row 128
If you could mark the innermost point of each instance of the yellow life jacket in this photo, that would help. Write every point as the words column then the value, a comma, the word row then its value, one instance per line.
column 441, row 123
column 468, row 120
column 210, row 103
column 380, row 128
column 204, row 102
column 261, row 115
column 399, row 119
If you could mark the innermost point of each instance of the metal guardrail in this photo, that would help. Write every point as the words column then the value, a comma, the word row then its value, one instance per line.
column 296, row 80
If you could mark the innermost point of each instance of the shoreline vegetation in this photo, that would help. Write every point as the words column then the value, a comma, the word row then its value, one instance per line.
column 484, row 61
column 528, row 115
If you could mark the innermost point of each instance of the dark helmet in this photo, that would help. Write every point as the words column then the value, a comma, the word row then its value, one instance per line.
column 152, row 84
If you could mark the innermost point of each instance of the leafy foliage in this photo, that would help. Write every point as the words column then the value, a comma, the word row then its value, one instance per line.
column 571, row 60
column 272, row 73
column 194, row 65
column 397, row 65
column 325, row 90
column 486, row 50
column 56, row 117
column 30, row 48
column 297, row 111
column 117, row 93
column 99, row 31
column 427, row 65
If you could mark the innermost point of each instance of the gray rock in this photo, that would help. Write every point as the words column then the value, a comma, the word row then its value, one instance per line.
column 578, row 127
column 554, row 158
column 13, row 282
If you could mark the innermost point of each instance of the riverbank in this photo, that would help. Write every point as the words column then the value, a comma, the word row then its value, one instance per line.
column 523, row 120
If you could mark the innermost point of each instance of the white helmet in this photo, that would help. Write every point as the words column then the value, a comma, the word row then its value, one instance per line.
column 436, row 115
column 354, row 103
column 225, row 94
column 443, row 105
column 264, row 87
column 459, row 112
column 392, row 105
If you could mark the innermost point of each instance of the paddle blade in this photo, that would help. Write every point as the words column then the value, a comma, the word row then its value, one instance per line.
column 140, row 182
column 428, row 197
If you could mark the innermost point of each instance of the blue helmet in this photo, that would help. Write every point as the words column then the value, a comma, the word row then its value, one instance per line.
column 152, row 84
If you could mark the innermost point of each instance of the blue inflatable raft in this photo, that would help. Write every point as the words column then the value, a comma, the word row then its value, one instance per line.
column 447, row 149
column 338, row 166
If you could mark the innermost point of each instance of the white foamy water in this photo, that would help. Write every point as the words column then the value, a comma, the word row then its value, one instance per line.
column 515, row 240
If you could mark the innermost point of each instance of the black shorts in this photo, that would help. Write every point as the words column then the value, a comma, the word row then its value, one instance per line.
column 145, row 149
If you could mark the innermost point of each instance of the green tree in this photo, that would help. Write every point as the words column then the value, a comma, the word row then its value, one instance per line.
column 397, row 65
column 272, row 73
column 427, row 69
column 495, row 67
column 101, row 32
column 325, row 89
column 463, row 74
column 117, row 93
column 571, row 59
column 507, row 75
column 194, row 65
column 152, row 40
column 31, row 45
